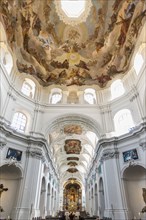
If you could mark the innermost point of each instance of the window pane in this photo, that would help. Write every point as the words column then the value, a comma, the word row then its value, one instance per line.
column 117, row 89
column 19, row 122
column 89, row 98
column 56, row 98
column 26, row 89
column 123, row 121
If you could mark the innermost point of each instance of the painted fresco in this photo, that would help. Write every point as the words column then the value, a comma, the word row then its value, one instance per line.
column 72, row 158
column 72, row 146
column 91, row 53
column 72, row 129
column 72, row 164
column 72, row 170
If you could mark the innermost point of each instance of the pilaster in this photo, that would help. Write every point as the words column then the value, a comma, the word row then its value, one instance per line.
column 115, row 206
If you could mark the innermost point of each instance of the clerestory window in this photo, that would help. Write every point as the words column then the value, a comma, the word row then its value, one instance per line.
column 28, row 88
column 89, row 96
column 117, row 89
column 123, row 121
column 19, row 122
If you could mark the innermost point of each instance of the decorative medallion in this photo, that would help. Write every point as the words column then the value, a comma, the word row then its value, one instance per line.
column 72, row 146
column 66, row 13
column 72, row 129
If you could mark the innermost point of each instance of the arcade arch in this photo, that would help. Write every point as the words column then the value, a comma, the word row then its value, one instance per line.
column 11, row 178
column 134, row 178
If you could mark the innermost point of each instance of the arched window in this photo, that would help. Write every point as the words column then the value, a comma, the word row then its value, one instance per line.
column 90, row 96
column 117, row 89
column 56, row 96
column 138, row 62
column 123, row 121
column 19, row 122
column 28, row 88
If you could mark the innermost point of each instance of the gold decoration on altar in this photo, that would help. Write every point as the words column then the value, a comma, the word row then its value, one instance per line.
column 72, row 197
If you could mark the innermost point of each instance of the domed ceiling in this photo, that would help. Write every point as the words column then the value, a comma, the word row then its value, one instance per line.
column 62, row 46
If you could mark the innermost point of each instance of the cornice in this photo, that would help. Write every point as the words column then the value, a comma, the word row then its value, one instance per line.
column 35, row 153
column 109, row 154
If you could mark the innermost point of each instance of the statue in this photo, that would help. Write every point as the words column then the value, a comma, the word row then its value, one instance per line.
column 144, row 198
column 2, row 189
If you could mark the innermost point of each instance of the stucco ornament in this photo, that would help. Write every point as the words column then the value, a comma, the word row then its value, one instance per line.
column 73, row 20
column 109, row 155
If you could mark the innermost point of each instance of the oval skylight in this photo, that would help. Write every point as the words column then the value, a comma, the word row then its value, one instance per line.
column 73, row 12
column 73, row 8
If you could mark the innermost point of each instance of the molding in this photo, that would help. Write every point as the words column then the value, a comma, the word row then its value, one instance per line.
column 35, row 153
column 143, row 145
column 3, row 142
column 109, row 155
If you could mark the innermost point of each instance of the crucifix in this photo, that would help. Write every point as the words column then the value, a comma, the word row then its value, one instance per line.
column 2, row 189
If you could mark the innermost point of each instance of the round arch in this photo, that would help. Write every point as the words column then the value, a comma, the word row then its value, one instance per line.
column 11, row 176
column 134, row 182
column 79, row 118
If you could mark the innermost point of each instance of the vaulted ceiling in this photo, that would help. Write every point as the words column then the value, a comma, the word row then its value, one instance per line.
column 73, row 142
column 61, row 47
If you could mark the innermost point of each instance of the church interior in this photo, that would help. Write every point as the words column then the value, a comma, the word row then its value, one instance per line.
column 73, row 109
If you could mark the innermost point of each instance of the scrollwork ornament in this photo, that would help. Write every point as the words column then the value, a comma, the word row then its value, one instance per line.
column 35, row 153
column 143, row 145
column 109, row 155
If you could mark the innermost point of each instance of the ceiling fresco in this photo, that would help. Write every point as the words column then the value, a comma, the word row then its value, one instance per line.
column 73, row 140
column 72, row 158
column 72, row 146
column 72, row 170
column 73, row 129
column 72, row 164
column 91, row 52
